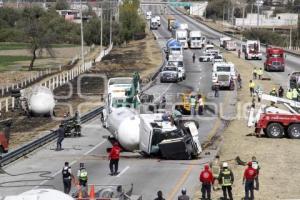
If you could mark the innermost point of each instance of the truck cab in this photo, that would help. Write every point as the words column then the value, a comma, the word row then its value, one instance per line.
column 153, row 23
column 171, row 21
column 195, row 40
column 224, row 73
column 173, row 50
column 274, row 60
column 182, row 36
column 251, row 50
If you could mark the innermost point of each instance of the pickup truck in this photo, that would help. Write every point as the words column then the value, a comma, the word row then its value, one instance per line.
column 207, row 57
column 169, row 74
column 181, row 68
column 218, row 58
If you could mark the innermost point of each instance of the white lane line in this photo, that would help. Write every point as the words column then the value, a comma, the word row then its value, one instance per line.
column 123, row 171
column 72, row 163
column 159, row 97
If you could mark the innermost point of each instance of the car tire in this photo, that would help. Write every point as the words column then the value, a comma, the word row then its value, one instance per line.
column 294, row 131
column 275, row 130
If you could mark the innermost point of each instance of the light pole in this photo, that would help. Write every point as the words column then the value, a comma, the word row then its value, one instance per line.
column 81, row 32
column 259, row 3
column 101, row 28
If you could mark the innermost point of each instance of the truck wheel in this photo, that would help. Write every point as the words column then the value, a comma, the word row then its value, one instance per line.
column 294, row 131
column 275, row 130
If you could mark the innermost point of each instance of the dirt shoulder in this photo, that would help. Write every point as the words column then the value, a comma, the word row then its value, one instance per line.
column 279, row 158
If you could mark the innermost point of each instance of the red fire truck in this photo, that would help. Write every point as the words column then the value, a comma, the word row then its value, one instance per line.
column 274, row 59
column 274, row 121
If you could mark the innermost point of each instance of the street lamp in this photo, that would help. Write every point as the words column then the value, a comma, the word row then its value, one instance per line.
column 258, row 3
column 81, row 32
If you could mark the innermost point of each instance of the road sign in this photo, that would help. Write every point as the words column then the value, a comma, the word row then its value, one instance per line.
column 174, row 3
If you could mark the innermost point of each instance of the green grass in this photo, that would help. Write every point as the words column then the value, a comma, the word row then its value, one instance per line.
column 16, row 46
column 6, row 61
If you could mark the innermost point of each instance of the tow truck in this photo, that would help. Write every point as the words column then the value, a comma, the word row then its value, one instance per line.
column 279, row 119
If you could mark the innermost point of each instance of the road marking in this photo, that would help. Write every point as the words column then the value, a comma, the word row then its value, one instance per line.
column 123, row 171
column 72, row 163
column 163, row 92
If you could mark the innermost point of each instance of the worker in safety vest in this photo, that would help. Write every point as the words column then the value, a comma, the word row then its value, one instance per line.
column 248, row 180
column 216, row 168
column 273, row 92
column 226, row 179
column 207, row 179
column 251, row 87
column 289, row 94
column 254, row 73
column 193, row 104
column 114, row 157
column 82, row 175
column 260, row 73
column 295, row 94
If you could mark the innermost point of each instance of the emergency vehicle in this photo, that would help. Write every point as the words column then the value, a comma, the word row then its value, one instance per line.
column 274, row 60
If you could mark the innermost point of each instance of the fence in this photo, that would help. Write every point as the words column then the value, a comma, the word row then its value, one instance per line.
column 53, row 81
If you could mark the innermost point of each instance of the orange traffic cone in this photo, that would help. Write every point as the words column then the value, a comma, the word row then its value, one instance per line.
column 92, row 193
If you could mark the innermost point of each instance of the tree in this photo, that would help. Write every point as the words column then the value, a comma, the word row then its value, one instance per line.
column 62, row 5
column 36, row 31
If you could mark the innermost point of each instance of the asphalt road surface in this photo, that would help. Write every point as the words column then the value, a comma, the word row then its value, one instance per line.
column 147, row 174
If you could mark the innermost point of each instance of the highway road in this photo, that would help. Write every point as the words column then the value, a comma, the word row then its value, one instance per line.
column 147, row 174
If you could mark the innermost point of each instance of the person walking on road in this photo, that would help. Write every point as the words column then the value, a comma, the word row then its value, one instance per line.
column 163, row 102
column 280, row 92
column 260, row 73
column 248, row 181
column 216, row 88
column 159, row 196
column 194, row 57
column 251, row 87
column 226, row 179
column 239, row 80
column 183, row 195
column 206, row 178
column 67, row 178
column 254, row 73
column 201, row 105
column 256, row 166
column 239, row 53
column 60, row 138
column 114, row 157
column 82, row 175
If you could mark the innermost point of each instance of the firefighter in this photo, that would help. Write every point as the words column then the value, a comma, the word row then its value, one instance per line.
column 206, row 178
column 256, row 166
column 251, row 87
column 280, row 92
column 254, row 73
column 260, row 73
column 216, row 168
column 67, row 178
column 248, row 181
column 226, row 179
column 114, row 157
column 295, row 94
column 194, row 57
column 183, row 195
column 82, row 175
column 273, row 92
column 289, row 94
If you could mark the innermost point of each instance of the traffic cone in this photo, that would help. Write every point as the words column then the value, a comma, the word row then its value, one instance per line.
column 92, row 192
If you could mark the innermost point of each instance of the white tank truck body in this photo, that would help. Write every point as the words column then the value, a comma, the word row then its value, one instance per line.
column 40, row 99
column 42, row 194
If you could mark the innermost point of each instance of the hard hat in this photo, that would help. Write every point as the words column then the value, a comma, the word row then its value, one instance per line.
column 249, row 164
column 183, row 191
column 274, row 89
column 225, row 164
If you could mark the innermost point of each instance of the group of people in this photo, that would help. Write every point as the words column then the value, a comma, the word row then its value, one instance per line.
column 216, row 174
column 257, row 73
column 82, row 175
column 196, row 100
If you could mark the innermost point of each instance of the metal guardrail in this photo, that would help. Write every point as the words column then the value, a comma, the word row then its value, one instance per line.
column 24, row 150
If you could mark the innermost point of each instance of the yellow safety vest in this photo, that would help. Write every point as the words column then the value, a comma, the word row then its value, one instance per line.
column 251, row 85
column 226, row 178
column 295, row 93
column 289, row 95
column 255, row 71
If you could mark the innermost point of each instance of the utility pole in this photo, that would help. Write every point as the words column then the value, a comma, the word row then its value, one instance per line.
column 291, row 30
column 243, row 17
column 110, row 23
column 81, row 32
column 101, row 29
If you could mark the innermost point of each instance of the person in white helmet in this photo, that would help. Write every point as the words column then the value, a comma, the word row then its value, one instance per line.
column 183, row 195
column 226, row 179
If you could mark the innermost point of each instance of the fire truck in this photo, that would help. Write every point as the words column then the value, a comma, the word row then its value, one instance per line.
column 251, row 50
column 280, row 119
column 274, row 59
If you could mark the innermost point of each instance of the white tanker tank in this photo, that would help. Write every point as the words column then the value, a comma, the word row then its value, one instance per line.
column 124, row 124
column 42, row 194
column 40, row 99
